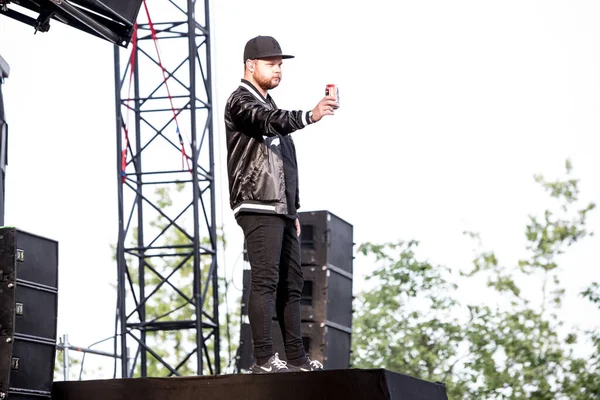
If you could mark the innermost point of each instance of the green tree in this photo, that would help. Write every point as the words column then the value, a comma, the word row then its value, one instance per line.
column 584, row 380
column 504, row 347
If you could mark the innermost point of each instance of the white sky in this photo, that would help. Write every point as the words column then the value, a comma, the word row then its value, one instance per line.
column 447, row 111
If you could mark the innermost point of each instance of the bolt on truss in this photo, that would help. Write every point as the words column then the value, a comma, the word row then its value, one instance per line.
column 167, row 244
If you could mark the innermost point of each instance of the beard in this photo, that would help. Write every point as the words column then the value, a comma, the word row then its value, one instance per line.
column 266, row 83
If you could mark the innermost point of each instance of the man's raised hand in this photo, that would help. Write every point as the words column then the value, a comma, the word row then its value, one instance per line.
column 324, row 107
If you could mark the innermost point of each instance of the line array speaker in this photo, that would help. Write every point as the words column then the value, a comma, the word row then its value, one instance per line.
column 28, row 314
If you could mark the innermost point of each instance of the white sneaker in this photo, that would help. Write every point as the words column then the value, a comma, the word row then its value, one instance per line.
column 272, row 366
column 309, row 365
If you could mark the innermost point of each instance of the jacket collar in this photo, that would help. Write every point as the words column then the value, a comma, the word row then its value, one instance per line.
column 252, row 89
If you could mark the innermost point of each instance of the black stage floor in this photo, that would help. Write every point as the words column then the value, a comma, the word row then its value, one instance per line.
column 348, row 384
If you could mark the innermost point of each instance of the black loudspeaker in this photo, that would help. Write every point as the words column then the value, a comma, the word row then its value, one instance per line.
column 28, row 314
column 326, row 240
column 326, row 245
column 327, row 296
column 326, row 302
column 112, row 20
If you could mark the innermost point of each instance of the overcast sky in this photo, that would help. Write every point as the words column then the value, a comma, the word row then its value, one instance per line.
column 448, row 110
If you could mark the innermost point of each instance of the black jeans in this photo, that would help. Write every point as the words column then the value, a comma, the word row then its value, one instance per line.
column 274, row 254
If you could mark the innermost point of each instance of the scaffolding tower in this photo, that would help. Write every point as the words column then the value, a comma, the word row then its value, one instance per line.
column 167, row 243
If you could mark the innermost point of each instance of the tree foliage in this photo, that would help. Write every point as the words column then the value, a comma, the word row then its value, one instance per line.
column 512, row 343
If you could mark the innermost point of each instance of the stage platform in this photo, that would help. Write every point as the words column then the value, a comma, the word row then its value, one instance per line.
column 348, row 384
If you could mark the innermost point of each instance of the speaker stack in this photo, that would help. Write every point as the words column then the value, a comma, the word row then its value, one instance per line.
column 326, row 304
column 28, row 314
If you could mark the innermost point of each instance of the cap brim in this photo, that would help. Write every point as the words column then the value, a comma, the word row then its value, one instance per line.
column 276, row 55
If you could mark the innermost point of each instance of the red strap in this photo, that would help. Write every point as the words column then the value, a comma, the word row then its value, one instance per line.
column 123, row 165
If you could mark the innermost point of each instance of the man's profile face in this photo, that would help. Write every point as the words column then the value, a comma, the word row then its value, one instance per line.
column 267, row 72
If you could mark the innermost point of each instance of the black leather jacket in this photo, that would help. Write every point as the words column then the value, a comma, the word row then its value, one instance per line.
column 255, row 128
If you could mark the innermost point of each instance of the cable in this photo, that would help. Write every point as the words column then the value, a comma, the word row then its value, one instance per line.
column 219, row 140
column 227, row 315
column 115, row 336
column 237, row 368
column 89, row 347
column 231, row 358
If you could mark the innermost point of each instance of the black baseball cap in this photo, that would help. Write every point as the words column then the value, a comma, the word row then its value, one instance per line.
column 263, row 47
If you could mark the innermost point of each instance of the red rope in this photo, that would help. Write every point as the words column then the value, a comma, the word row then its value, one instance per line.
column 184, row 156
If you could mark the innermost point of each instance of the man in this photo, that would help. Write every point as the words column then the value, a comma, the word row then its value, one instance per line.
column 263, row 188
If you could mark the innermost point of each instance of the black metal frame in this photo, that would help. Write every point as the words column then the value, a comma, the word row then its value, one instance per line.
column 91, row 16
column 142, row 251
column 4, row 72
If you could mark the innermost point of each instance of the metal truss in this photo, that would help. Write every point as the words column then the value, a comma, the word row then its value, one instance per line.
column 4, row 72
column 167, row 244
